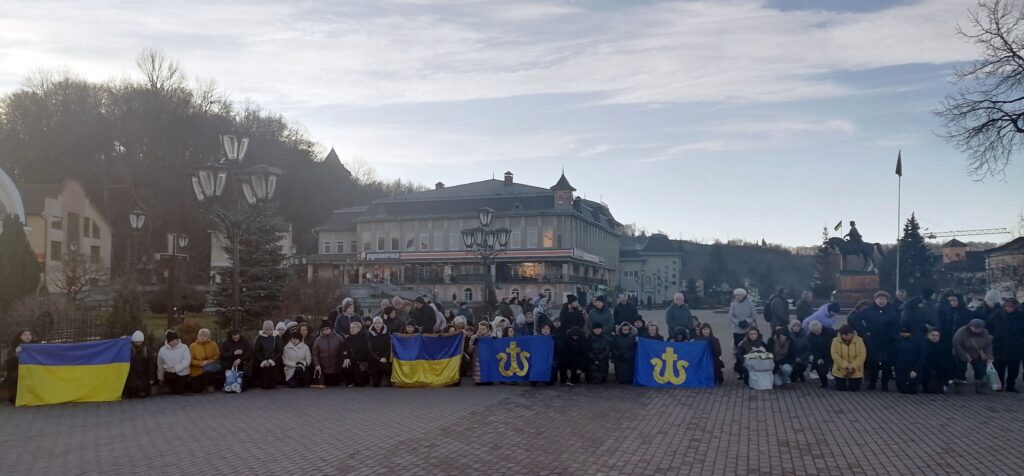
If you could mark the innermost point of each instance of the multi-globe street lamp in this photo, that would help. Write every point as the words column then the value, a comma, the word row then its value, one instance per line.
column 486, row 243
column 250, row 190
column 179, row 241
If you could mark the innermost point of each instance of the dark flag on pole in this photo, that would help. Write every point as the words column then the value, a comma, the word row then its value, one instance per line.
column 899, row 163
column 838, row 226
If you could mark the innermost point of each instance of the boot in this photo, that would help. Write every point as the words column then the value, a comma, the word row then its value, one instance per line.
column 978, row 386
column 872, row 385
column 885, row 386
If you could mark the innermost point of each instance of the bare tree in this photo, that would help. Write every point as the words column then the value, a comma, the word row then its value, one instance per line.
column 75, row 274
column 985, row 117
column 162, row 73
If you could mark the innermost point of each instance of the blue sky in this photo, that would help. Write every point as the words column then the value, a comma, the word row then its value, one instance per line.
column 724, row 119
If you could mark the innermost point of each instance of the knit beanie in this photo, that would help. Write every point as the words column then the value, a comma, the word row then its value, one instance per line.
column 833, row 307
column 138, row 336
column 992, row 298
column 171, row 335
column 571, row 298
column 977, row 323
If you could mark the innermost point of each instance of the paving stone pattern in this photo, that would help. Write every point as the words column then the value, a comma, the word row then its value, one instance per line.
column 517, row 430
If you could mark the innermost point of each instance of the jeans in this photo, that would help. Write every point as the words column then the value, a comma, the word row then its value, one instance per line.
column 784, row 371
column 848, row 384
column 1008, row 370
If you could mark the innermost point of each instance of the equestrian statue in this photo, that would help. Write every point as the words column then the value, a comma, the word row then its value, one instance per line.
column 855, row 246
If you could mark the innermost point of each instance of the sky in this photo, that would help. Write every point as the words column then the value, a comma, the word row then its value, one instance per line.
column 727, row 119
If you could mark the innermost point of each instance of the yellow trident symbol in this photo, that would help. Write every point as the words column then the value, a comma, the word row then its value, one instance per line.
column 514, row 367
column 676, row 375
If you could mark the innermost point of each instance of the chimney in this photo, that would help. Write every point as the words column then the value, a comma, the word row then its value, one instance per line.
column 508, row 179
column 439, row 186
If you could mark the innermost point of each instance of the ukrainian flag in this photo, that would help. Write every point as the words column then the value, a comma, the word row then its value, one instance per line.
column 426, row 360
column 61, row 373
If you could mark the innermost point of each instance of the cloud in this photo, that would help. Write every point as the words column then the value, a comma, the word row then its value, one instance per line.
column 373, row 53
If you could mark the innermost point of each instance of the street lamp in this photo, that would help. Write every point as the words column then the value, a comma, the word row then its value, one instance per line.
column 179, row 241
column 250, row 190
column 486, row 243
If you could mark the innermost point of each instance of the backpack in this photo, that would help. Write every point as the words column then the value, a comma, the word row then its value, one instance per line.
column 768, row 309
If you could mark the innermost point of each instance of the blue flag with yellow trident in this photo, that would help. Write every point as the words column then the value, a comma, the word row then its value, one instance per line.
column 516, row 359
column 673, row 364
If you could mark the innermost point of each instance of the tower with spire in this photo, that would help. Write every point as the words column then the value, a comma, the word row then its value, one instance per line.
column 563, row 192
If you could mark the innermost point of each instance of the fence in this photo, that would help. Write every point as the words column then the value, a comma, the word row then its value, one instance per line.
column 53, row 329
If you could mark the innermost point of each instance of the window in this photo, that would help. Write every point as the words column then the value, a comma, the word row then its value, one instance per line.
column 410, row 242
column 94, row 254
column 57, row 223
column 558, row 241
column 95, row 230
column 86, row 227
column 394, row 243
column 513, row 293
column 56, row 250
column 380, row 243
column 438, row 240
column 327, row 247
column 341, row 247
column 424, row 241
column 353, row 247
column 455, row 241
column 547, row 294
column 549, row 237
column 467, row 294
column 366, row 242
column 515, row 239
column 531, row 237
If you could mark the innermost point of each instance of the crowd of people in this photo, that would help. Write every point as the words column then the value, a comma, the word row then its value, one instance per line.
column 918, row 343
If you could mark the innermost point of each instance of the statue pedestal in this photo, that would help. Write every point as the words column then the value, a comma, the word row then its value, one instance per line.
column 854, row 286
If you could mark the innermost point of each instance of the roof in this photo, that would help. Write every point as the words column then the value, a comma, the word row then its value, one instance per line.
column 659, row 243
column 485, row 188
column 34, row 196
column 1016, row 245
column 342, row 219
column 954, row 243
column 563, row 184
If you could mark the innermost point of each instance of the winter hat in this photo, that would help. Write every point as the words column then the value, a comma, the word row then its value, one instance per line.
column 234, row 332
column 992, row 298
column 833, row 308
column 597, row 325
column 977, row 323
column 137, row 336
column 739, row 292
column 171, row 335
column 324, row 324
column 571, row 298
column 378, row 320
column 906, row 330
column 520, row 320
column 599, row 298
column 420, row 300
column 884, row 294
column 291, row 325
column 280, row 328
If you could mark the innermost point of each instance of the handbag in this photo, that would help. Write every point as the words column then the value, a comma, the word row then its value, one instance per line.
column 233, row 381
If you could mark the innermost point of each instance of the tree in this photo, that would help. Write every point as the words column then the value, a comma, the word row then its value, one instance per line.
column 916, row 262
column 766, row 282
column 826, row 268
column 985, row 117
column 75, row 274
column 717, row 269
column 261, row 276
column 19, row 268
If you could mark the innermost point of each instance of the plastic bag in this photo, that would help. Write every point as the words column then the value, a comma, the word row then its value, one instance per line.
column 992, row 378
column 761, row 380
column 233, row 381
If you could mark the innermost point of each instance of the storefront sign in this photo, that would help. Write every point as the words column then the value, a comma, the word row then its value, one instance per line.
column 381, row 256
column 583, row 255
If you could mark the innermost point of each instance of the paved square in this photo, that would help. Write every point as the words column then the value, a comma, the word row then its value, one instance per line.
column 516, row 430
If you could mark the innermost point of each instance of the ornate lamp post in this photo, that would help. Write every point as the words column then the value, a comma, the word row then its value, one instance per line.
column 486, row 243
column 179, row 241
column 250, row 190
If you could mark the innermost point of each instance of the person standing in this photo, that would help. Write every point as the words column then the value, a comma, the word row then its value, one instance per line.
column 625, row 311
column 1007, row 328
column 779, row 310
column 990, row 306
column 804, row 307
column 423, row 315
column 742, row 314
column 466, row 313
column 571, row 314
column 678, row 316
column 972, row 345
column 600, row 313
column 878, row 325
column 348, row 316
column 848, row 357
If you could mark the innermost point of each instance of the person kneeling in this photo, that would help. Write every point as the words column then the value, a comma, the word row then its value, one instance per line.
column 354, row 354
column 205, row 368
column 908, row 358
column 172, row 364
column 848, row 357
column 296, row 358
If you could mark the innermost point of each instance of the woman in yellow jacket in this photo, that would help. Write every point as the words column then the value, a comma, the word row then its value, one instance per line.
column 205, row 366
column 848, row 356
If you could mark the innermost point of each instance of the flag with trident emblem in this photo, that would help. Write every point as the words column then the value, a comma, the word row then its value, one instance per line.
column 673, row 364
column 516, row 359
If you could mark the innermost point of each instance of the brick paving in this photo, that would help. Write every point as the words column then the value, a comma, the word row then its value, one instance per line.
column 594, row 430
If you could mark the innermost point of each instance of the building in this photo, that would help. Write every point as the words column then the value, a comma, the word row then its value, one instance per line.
column 10, row 199
column 65, row 227
column 1005, row 268
column 559, row 243
column 650, row 268
column 962, row 269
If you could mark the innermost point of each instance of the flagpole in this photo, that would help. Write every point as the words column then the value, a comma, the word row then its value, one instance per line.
column 899, row 214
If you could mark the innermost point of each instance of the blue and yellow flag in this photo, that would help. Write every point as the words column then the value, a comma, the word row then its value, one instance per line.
column 673, row 364
column 516, row 359
column 61, row 373
column 425, row 360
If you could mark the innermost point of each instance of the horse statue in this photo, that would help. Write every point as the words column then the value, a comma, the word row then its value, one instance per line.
column 865, row 250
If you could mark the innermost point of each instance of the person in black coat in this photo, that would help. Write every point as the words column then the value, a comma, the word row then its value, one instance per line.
column 624, row 311
column 139, row 381
column 577, row 350
column 571, row 313
column 1007, row 328
column 423, row 315
column 914, row 316
column 938, row 363
column 266, row 356
column 705, row 333
column 236, row 354
column 599, row 353
column 624, row 352
column 355, row 354
column 878, row 324
column 380, row 351
column 908, row 360
column 819, row 346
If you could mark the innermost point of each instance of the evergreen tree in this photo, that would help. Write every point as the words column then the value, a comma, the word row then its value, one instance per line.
column 825, row 269
column 916, row 262
column 262, row 276
column 766, row 282
column 19, row 268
